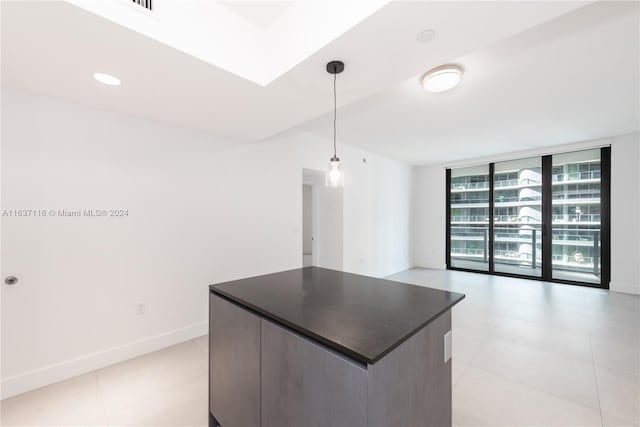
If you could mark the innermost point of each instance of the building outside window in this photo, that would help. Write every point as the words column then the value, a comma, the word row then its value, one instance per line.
column 505, row 234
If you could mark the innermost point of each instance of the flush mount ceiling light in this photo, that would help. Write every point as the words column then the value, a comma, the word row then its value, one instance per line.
column 107, row 79
column 442, row 78
column 334, row 177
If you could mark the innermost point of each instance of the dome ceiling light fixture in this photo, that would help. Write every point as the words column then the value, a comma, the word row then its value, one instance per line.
column 107, row 79
column 442, row 78
column 334, row 177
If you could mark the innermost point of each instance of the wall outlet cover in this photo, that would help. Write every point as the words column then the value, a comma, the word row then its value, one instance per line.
column 448, row 346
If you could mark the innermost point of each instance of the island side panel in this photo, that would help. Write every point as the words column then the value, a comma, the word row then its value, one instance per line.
column 411, row 386
column 234, row 364
column 305, row 384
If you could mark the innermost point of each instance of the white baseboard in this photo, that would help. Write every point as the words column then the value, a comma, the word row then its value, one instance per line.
column 432, row 267
column 627, row 288
column 37, row 378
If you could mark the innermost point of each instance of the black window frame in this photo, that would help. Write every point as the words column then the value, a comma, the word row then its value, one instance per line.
column 547, row 215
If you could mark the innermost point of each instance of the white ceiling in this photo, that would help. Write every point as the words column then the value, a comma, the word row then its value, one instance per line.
column 575, row 78
column 260, row 13
column 256, row 40
column 162, row 83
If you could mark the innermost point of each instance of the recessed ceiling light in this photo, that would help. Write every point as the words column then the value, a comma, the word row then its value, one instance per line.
column 425, row 36
column 442, row 78
column 107, row 79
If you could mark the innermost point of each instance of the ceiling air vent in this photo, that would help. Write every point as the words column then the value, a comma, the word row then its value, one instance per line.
column 147, row 4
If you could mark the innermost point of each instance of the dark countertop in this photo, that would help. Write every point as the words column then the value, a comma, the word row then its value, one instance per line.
column 361, row 317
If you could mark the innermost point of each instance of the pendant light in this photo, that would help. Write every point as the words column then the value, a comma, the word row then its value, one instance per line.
column 334, row 177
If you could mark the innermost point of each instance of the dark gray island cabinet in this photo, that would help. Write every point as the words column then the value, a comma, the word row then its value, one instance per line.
column 313, row 347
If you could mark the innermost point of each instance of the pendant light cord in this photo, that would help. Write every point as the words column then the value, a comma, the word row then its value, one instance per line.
column 335, row 113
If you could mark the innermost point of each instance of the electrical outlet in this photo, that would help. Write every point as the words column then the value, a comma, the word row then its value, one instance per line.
column 448, row 346
column 141, row 309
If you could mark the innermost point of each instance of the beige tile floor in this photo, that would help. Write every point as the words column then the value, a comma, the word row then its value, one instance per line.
column 525, row 354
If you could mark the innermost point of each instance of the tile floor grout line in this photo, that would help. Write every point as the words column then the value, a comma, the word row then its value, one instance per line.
column 461, row 375
column 595, row 376
column 493, row 329
column 545, row 350
column 536, row 388
column 588, row 360
column 615, row 370
column 502, row 377
column 104, row 408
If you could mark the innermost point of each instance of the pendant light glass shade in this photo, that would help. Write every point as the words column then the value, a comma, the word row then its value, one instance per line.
column 334, row 177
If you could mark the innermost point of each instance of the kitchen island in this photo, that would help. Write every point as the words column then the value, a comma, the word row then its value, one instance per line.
column 315, row 347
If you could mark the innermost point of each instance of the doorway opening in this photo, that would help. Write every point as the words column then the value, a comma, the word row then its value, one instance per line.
column 321, row 222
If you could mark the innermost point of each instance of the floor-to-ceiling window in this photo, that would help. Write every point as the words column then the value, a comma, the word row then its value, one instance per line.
column 541, row 217
column 517, row 219
column 469, row 225
column 576, row 221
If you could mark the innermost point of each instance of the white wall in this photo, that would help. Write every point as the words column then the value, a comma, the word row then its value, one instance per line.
column 625, row 213
column 201, row 211
column 430, row 225
column 330, row 230
column 429, row 219
column 307, row 219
